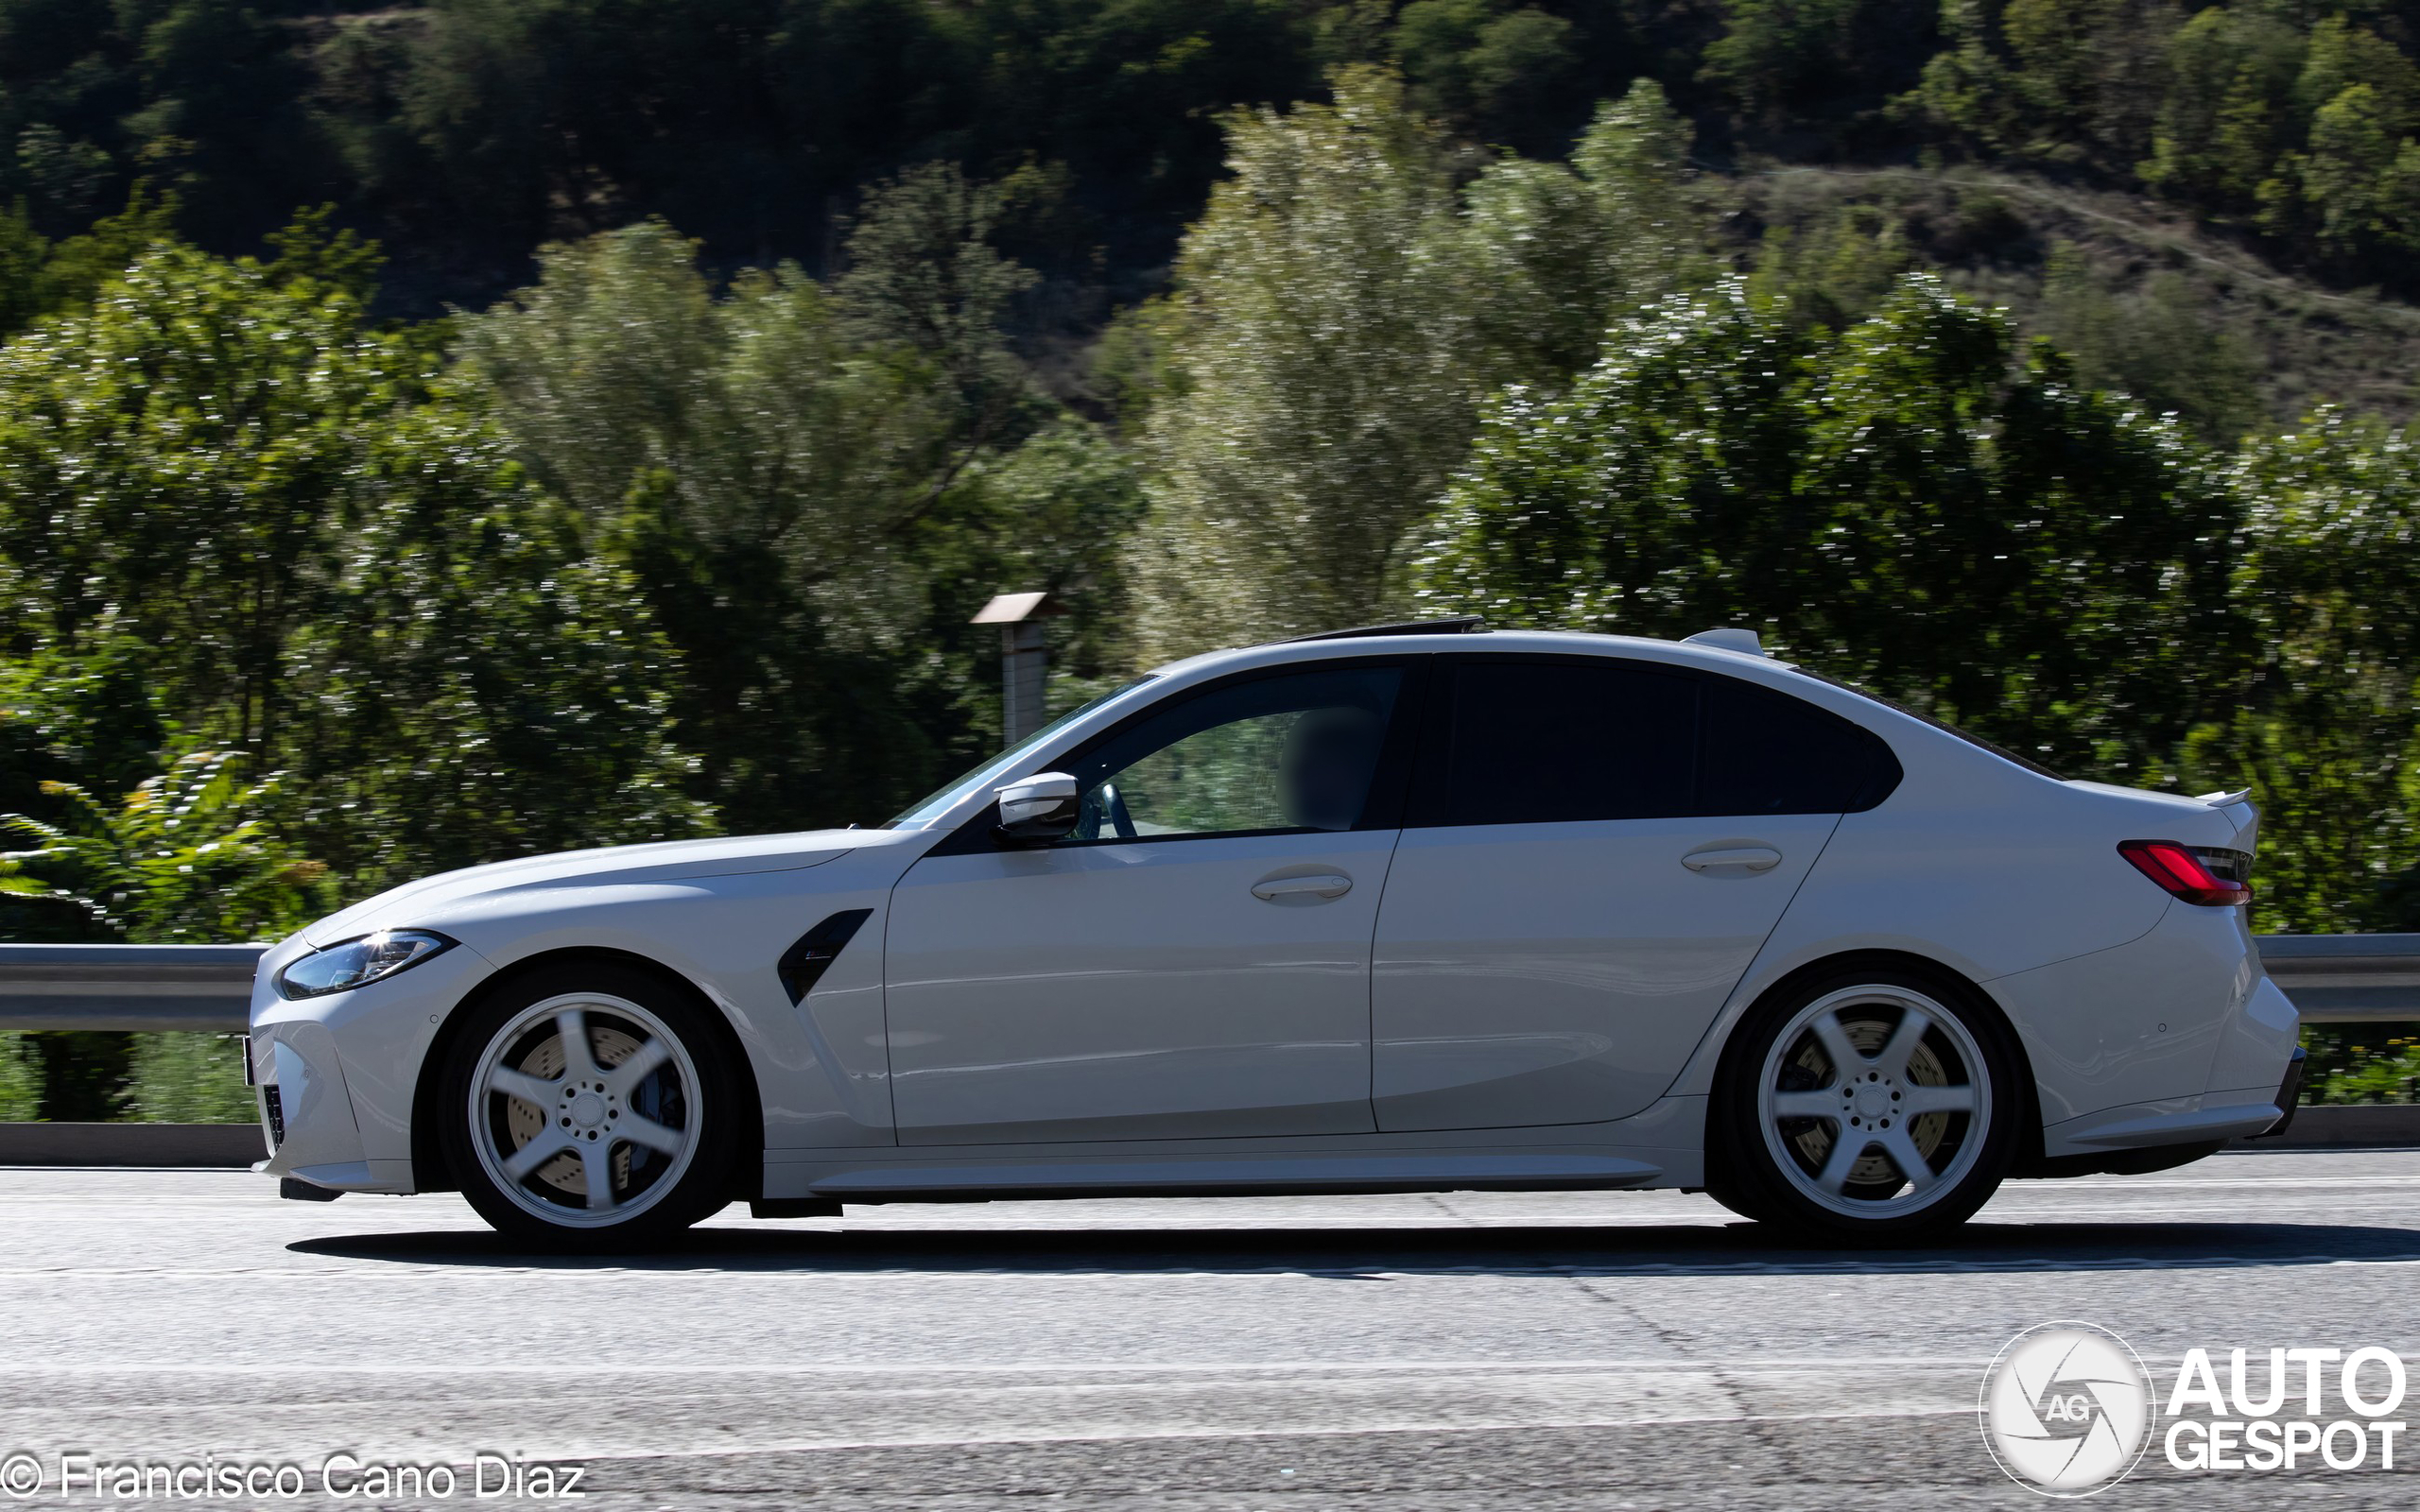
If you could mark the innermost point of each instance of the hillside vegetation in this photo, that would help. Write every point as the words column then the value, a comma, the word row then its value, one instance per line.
column 433, row 433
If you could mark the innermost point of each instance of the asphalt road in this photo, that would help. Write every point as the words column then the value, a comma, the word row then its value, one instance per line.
column 1516, row 1353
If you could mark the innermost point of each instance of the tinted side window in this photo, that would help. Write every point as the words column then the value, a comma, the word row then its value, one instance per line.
column 1538, row 740
column 1767, row 753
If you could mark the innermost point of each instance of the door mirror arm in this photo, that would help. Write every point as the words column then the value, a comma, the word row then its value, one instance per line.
column 1039, row 809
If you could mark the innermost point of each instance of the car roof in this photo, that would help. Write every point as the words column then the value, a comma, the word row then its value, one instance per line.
column 1898, row 727
column 1391, row 641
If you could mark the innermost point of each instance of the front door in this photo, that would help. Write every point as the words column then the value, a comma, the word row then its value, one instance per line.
column 1596, row 848
column 1194, row 962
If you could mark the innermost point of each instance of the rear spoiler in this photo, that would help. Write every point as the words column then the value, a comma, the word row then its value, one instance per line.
column 2223, row 800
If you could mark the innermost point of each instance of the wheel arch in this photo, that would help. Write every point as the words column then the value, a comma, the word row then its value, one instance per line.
column 430, row 1172
column 2028, row 1127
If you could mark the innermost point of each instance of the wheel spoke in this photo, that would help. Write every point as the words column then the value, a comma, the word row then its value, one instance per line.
column 633, row 1071
column 1922, row 1099
column 661, row 1137
column 1807, row 1105
column 1903, row 1153
column 1847, row 1062
column 1845, row 1152
column 596, row 1166
column 534, row 1089
column 579, row 1059
column 549, row 1142
column 1893, row 1061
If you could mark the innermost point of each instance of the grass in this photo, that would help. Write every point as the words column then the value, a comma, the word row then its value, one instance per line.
column 140, row 1079
column 2361, row 1063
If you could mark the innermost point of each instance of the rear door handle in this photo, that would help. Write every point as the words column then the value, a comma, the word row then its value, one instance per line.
column 1745, row 857
column 1282, row 889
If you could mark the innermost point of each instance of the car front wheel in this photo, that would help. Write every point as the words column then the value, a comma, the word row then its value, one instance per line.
column 590, row 1108
column 1875, row 1105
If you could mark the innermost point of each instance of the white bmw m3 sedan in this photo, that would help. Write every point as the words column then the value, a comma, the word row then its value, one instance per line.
column 1413, row 908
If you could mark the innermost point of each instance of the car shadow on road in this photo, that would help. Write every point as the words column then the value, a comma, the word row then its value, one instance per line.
column 1345, row 1252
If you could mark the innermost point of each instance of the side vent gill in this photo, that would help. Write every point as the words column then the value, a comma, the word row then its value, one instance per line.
column 804, row 964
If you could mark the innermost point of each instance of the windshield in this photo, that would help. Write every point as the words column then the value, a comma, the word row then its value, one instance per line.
column 1001, row 767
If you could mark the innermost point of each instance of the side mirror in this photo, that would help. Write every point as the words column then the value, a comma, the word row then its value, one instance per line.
column 1041, row 807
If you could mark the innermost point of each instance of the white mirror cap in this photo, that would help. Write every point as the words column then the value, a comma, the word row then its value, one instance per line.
column 1727, row 640
column 1041, row 784
column 1030, row 798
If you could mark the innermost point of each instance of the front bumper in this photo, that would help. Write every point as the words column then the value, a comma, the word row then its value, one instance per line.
column 335, row 1076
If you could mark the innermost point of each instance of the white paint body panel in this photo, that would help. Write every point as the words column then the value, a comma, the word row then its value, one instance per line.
column 1490, row 1009
column 1561, row 973
column 1137, row 990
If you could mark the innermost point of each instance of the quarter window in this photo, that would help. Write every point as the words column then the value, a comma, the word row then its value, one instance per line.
column 1766, row 752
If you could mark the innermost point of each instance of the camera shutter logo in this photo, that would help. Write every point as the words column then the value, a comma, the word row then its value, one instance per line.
column 2066, row 1409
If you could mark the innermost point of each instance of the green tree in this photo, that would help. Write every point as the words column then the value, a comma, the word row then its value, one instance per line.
column 813, row 487
column 1324, row 340
column 1855, row 498
column 221, row 460
column 2075, row 81
column 2326, row 730
column 186, row 857
column 1790, row 64
column 1487, row 67
column 2228, row 110
column 1337, row 317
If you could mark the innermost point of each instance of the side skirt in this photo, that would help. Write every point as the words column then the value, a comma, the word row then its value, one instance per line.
column 1661, row 1147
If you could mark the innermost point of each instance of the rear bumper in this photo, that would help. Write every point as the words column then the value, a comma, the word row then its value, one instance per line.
column 2261, row 1035
column 2198, row 1119
column 2289, row 1095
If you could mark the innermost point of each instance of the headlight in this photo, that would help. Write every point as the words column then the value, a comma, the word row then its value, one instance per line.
column 358, row 962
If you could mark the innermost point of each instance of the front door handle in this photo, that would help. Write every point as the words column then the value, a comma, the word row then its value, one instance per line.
column 1744, row 857
column 1301, row 889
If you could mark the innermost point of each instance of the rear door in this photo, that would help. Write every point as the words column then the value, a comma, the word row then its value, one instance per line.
column 1595, row 850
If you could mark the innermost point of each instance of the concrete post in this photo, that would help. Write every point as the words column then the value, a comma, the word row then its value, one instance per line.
column 1024, row 674
column 1025, row 659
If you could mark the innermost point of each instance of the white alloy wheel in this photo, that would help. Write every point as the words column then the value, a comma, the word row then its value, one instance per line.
column 585, row 1110
column 1873, row 1100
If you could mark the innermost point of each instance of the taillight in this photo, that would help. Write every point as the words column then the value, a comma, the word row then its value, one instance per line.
column 2182, row 874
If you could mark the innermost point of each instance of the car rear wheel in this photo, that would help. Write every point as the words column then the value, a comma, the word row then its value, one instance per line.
column 1876, row 1105
column 591, row 1108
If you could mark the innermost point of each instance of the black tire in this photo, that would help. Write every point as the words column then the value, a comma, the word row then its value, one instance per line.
column 1959, row 1050
column 604, row 1114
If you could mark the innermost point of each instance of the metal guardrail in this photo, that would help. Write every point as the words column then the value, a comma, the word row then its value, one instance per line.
column 127, row 987
column 2346, row 978
column 2332, row 979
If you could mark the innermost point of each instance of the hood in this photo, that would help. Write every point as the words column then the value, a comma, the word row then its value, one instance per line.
column 665, row 860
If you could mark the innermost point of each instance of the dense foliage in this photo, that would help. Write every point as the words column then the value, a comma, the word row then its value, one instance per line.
column 788, row 330
column 465, row 132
